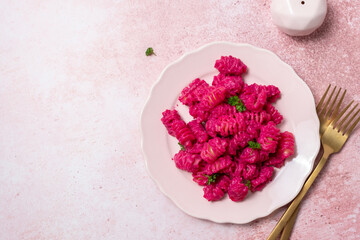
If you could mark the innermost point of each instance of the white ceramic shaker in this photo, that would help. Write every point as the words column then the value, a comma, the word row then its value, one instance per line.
column 298, row 17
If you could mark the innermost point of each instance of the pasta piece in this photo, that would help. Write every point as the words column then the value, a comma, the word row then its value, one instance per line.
column 196, row 148
column 253, row 129
column 239, row 141
column 249, row 155
column 222, row 109
column 199, row 131
column 199, row 112
column 233, row 84
column 224, row 126
column 200, row 178
column 183, row 133
column 263, row 155
column 224, row 183
column 259, row 117
column 285, row 149
column 264, row 177
column 275, row 116
column 253, row 101
column 269, row 136
column 169, row 116
column 213, row 98
column 213, row 193
column 230, row 170
column 220, row 164
column 230, row 65
column 273, row 93
column 194, row 92
column 251, row 171
column 240, row 168
column 237, row 190
column 187, row 161
column 213, row 149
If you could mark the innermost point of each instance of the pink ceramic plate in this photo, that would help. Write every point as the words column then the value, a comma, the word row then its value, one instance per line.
column 296, row 104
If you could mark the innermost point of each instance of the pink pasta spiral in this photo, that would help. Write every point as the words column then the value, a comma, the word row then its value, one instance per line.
column 199, row 112
column 237, row 190
column 195, row 148
column 253, row 129
column 233, row 84
column 239, row 169
column 249, row 155
column 224, row 126
column 213, row 193
column 169, row 116
column 194, row 92
column 199, row 131
column 259, row 117
column 253, row 101
column 213, row 149
column 269, row 136
column 213, row 98
column 223, row 183
column 250, row 171
column 220, row 164
column 230, row 170
column 238, row 141
column 222, row 109
column 187, row 161
column 275, row 116
column 264, row 177
column 272, row 92
column 200, row 178
column 183, row 133
column 230, row 65
column 285, row 149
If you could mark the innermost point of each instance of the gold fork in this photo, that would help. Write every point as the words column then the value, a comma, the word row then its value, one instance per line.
column 332, row 140
column 326, row 113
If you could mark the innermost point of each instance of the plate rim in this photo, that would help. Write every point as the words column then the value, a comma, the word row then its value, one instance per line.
column 318, row 144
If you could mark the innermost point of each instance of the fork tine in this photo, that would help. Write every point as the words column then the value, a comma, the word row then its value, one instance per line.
column 322, row 99
column 353, row 125
column 338, row 106
column 332, row 105
column 339, row 126
column 324, row 110
column 348, row 122
column 342, row 113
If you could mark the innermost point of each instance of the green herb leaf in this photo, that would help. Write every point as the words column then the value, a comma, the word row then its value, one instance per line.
column 248, row 184
column 233, row 101
column 211, row 178
column 240, row 106
column 181, row 147
column 254, row 145
column 150, row 51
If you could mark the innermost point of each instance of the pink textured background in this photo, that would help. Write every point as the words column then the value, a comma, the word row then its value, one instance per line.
column 73, row 81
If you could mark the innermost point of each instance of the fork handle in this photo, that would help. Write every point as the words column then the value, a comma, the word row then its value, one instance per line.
column 285, row 235
column 297, row 200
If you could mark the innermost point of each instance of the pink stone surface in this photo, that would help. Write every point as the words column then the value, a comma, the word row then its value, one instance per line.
column 73, row 81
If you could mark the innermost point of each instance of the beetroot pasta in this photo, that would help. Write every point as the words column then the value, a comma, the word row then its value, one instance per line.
column 233, row 143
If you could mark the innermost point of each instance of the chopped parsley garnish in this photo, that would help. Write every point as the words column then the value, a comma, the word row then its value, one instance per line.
column 150, row 51
column 240, row 107
column 235, row 101
column 211, row 178
column 248, row 184
column 254, row 145
column 181, row 146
